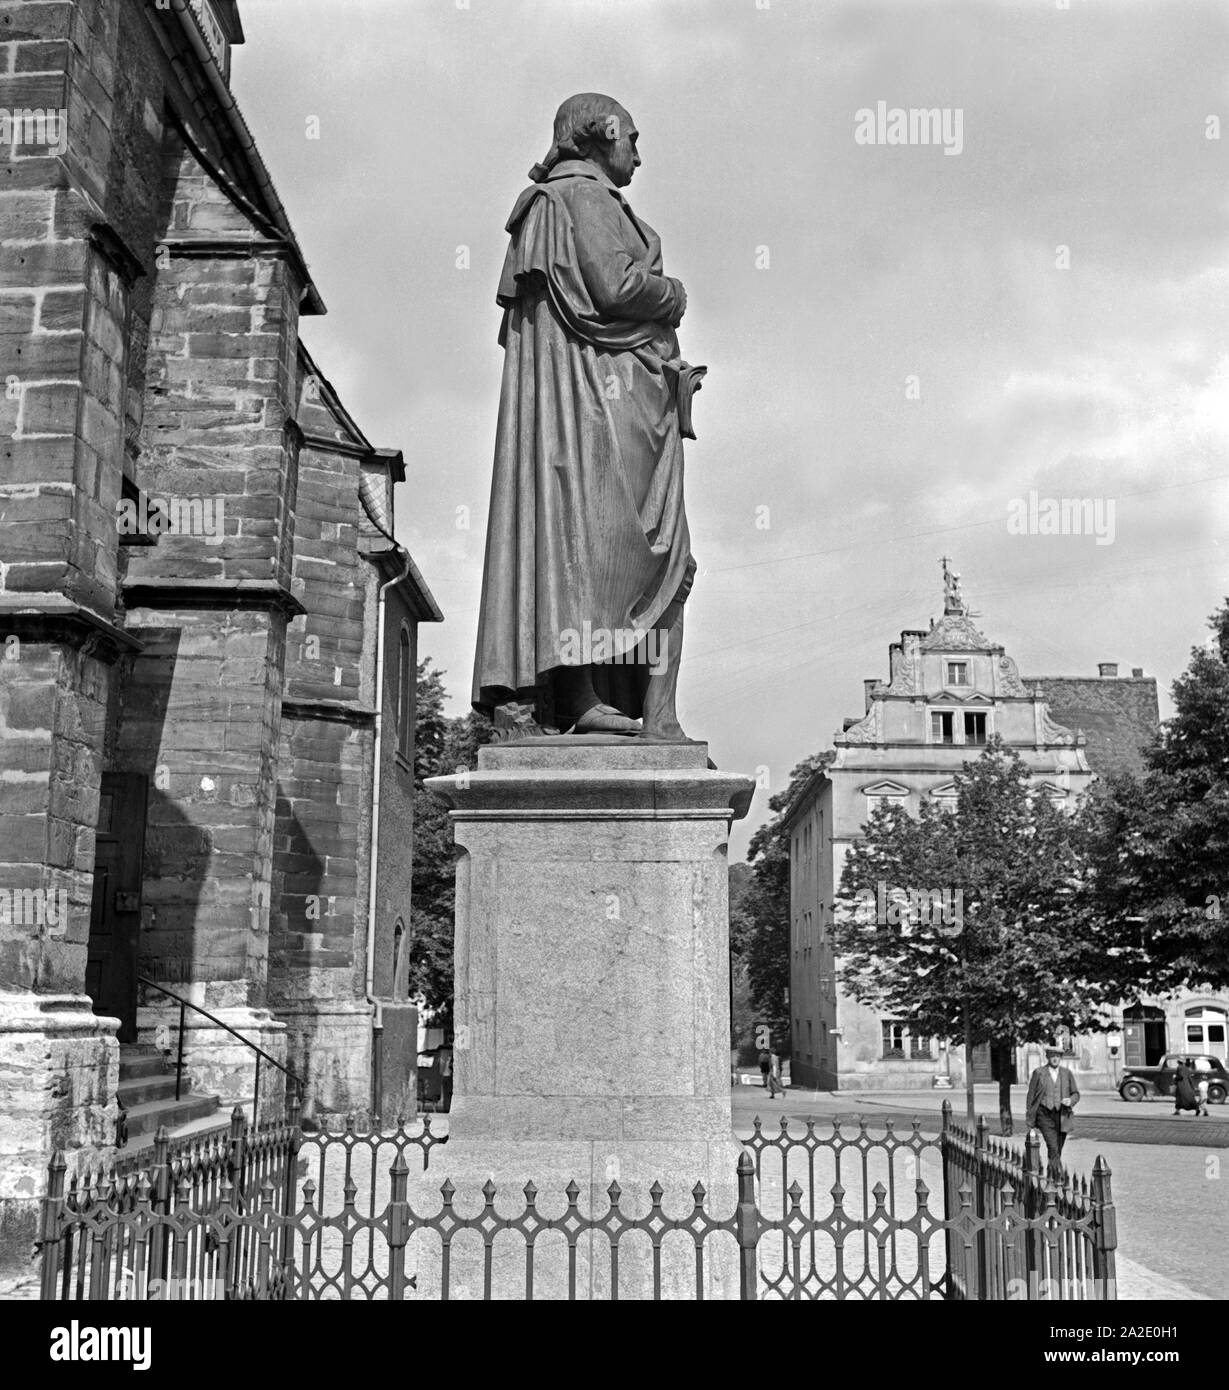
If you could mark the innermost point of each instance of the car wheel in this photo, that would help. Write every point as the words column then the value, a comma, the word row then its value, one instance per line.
column 1132, row 1090
column 1216, row 1094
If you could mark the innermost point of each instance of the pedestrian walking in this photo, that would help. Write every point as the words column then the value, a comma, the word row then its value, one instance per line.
column 765, row 1067
column 775, row 1083
column 1186, row 1097
column 1201, row 1085
column 1052, row 1097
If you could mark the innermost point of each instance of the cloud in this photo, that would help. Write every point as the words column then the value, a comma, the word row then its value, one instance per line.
column 1083, row 129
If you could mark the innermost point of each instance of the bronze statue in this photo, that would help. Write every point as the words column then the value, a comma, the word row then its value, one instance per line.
column 588, row 556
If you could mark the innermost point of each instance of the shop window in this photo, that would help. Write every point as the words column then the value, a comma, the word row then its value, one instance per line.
column 1205, row 1030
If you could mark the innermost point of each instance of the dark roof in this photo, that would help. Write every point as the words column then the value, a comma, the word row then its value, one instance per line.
column 1118, row 715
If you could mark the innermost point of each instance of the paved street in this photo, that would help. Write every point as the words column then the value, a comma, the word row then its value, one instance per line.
column 1101, row 1115
column 1172, row 1199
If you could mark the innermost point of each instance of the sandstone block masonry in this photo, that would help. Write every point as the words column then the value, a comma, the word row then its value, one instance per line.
column 190, row 723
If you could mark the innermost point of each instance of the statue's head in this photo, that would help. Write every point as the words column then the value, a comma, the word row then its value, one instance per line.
column 593, row 127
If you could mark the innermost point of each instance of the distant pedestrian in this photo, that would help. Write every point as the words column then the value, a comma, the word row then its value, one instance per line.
column 765, row 1067
column 1201, row 1085
column 775, row 1083
column 1186, row 1096
column 1052, row 1096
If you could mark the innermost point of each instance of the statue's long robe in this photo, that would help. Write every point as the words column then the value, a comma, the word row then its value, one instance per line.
column 587, row 522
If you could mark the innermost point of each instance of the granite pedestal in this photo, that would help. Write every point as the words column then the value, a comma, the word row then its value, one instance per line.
column 592, row 1001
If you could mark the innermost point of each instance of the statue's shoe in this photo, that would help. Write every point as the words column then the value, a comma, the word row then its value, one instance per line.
column 603, row 719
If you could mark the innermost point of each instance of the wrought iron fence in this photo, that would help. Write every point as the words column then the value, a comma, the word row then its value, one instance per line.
column 1021, row 1232
column 347, row 1181
column 167, row 1222
column 862, row 1246
column 331, row 1216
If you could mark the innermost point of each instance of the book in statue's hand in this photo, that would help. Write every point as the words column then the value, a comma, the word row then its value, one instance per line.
column 687, row 383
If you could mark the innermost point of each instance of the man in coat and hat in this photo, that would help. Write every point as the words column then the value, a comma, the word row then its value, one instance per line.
column 1052, row 1096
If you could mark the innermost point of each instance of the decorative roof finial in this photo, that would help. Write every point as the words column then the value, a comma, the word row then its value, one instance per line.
column 953, row 599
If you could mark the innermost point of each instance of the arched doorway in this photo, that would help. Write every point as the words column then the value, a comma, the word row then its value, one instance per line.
column 1144, row 1035
column 1204, row 1026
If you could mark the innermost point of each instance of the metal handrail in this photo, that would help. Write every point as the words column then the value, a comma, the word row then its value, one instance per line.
column 247, row 1042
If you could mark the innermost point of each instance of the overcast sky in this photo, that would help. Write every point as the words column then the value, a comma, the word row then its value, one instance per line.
column 823, row 274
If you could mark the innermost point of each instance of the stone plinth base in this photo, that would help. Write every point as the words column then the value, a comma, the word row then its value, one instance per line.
column 216, row 1063
column 592, row 1002
column 59, row 1069
column 552, row 1165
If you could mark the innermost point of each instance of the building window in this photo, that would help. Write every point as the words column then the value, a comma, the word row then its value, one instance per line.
column 974, row 728
column 405, row 694
column 941, row 726
column 957, row 673
column 400, row 960
column 1205, row 1030
column 899, row 1040
column 1066, row 1040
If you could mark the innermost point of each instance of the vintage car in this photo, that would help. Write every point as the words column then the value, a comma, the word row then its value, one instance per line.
column 1138, row 1082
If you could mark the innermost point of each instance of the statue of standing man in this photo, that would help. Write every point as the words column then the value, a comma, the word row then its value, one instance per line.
column 588, row 556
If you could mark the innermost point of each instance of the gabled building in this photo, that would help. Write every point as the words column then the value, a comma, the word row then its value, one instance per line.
column 950, row 689
column 209, row 629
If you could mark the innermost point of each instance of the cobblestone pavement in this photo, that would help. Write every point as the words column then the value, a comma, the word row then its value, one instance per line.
column 1173, row 1215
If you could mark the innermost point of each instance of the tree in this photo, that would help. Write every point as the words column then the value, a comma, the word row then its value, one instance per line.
column 1158, row 843
column 966, row 922
column 742, row 1011
column 442, row 746
column 759, row 918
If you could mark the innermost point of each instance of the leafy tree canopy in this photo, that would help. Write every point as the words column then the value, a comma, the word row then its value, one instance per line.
column 759, row 916
column 972, row 915
column 1158, row 843
column 442, row 746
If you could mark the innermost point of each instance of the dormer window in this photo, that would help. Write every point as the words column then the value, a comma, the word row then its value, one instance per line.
column 957, row 673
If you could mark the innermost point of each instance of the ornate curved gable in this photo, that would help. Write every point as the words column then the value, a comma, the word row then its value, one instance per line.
column 954, row 632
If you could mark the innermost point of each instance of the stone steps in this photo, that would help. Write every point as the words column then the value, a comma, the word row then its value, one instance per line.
column 138, row 1090
column 145, row 1119
column 141, row 1061
column 147, row 1092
